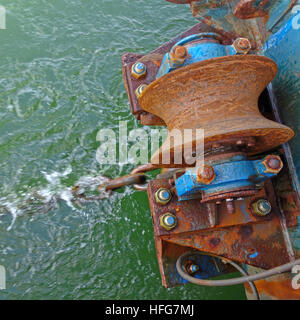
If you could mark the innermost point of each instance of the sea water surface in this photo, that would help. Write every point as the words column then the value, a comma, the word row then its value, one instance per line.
column 61, row 82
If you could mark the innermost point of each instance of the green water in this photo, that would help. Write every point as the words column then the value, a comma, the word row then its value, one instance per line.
column 61, row 82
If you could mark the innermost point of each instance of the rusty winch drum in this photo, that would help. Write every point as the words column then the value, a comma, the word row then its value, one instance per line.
column 219, row 95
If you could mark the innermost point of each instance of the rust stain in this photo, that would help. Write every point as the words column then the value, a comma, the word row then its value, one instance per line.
column 245, row 231
column 247, row 9
column 219, row 95
column 214, row 242
column 281, row 289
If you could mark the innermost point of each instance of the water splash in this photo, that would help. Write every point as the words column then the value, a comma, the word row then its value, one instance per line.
column 46, row 199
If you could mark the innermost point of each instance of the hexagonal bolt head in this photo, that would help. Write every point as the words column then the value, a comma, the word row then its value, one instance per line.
column 139, row 90
column 163, row 196
column 205, row 174
column 168, row 221
column 261, row 207
column 178, row 55
column 272, row 163
column 242, row 45
column 138, row 70
column 192, row 268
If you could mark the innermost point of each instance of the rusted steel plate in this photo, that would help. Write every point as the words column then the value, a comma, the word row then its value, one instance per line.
column 247, row 18
column 247, row 9
column 167, row 255
column 219, row 95
column 257, row 244
column 192, row 215
column 273, row 288
column 152, row 62
column 241, row 236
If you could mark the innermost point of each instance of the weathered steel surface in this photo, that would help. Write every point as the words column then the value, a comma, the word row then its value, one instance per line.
column 192, row 215
column 278, row 287
column 152, row 62
column 284, row 47
column 219, row 95
column 241, row 236
column 167, row 255
column 236, row 173
column 195, row 48
column 254, row 19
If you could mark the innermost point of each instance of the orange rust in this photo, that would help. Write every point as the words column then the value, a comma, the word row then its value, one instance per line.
column 273, row 163
column 245, row 9
column 280, row 289
column 180, row 52
column 205, row 174
column 219, row 95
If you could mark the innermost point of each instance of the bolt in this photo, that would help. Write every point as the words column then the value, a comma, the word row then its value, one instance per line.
column 180, row 52
column 140, row 89
column 205, row 174
column 192, row 268
column 230, row 205
column 261, row 207
column 272, row 163
column 168, row 221
column 242, row 45
column 178, row 55
column 163, row 196
column 138, row 70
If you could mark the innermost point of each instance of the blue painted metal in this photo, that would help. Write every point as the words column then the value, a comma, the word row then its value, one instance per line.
column 196, row 52
column 231, row 175
column 284, row 47
column 209, row 267
column 257, row 21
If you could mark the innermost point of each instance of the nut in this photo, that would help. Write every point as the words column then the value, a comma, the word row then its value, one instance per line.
column 139, row 90
column 205, row 174
column 168, row 221
column 261, row 207
column 138, row 70
column 163, row 196
column 178, row 55
column 242, row 45
column 192, row 268
column 272, row 163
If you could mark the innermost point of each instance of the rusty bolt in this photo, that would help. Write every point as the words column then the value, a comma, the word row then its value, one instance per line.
column 205, row 174
column 168, row 221
column 242, row 45
column 178, row 55
column 138, row 70
column 272, row 163
column 192, row 268
column 162, row 196
column 261, row 207
column 140, row 89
